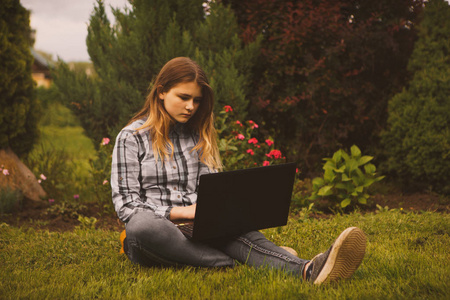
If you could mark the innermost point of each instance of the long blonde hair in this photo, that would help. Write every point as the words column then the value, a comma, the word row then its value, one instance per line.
column 159, row 122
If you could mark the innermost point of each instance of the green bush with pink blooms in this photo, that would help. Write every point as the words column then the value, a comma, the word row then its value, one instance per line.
column 101, row 173
column 239, row 148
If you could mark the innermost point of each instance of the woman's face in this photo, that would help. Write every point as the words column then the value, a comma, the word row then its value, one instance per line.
column 182, row 101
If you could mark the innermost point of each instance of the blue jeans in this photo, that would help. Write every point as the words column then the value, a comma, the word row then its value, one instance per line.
column 153, row 240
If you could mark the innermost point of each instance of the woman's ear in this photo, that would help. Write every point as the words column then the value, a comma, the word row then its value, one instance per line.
column 160, row 93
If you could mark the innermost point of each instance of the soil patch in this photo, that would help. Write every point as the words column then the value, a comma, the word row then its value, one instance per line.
column 41, row 216
column 37, row 214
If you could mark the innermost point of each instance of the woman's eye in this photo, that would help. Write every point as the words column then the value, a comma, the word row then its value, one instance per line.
column 197, row 100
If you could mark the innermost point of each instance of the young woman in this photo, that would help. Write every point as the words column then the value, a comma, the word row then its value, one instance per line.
column 157, row 161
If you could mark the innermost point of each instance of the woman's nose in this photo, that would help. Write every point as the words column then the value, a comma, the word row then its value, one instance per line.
column 190, row 104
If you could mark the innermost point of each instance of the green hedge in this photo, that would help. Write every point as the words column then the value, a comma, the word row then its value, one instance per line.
column 19, row 111
column 418, row 139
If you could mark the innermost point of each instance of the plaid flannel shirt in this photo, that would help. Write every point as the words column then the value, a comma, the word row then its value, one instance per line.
column 141, row 183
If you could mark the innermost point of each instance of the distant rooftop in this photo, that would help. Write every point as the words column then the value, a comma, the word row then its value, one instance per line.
column 40, row 59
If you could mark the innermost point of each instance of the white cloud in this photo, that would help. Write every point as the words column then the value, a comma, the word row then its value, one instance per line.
column 61, row 25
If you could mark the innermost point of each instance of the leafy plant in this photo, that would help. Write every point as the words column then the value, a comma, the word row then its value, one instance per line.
column 238, row 146
column 53, row 168
column 301, row 192
column 344, row 181
column 87, row 222
column 9, row 199
column 101, row 172
column 67, row 209
column 416, row 141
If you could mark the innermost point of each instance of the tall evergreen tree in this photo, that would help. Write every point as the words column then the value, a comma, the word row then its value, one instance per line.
column 129, row 54
column 19, row 109
column 418, row 139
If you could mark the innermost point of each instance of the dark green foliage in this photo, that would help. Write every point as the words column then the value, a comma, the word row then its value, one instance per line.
column 19, row 110
column 128, row 55
column 327, row 69
column 9, row 200
column 417, row 141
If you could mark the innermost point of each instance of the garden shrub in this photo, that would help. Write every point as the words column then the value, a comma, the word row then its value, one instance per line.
column 9, row 199
column 54, row 170
column 327, row 70
column 101, row 174
column 344, row 183
column 128, row 55
column 417, row 141
column 20, row 110
column 238, row 146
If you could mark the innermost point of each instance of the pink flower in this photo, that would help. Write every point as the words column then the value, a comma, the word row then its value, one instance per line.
column 76, row 196
column 266, row 163
column 105, row 182
column 5, row 172
column 239, row 123
column 39, row 181
column 269, row 142
column 253, row 141
column 253, row 124
column 274, row 154
column 42, row 176
column 228, row 108
column 240, row 136
column 296, row 170
column 51, row 201
column 105, row 141
column 250, row 151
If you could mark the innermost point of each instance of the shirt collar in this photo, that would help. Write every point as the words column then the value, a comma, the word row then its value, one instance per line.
column 179, row 128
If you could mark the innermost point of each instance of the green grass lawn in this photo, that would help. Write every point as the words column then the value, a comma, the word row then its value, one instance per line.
column 407, row 258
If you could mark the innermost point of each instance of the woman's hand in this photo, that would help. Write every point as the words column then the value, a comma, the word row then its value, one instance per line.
column 186, row 212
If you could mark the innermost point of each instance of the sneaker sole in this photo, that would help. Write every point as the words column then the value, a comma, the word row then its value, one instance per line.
column 345, row 256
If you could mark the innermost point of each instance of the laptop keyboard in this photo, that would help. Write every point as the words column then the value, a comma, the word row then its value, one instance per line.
column 186, row 228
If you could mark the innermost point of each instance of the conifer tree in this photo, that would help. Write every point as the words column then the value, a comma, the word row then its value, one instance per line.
column 19, row 109
column 418, row 139
column 129, row 54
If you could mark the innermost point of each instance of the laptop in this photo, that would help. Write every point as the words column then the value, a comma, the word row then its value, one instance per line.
column 232, row 203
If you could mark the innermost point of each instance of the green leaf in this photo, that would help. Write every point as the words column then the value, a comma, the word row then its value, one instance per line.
column 370, row 168
column 351, row 165
column 329, row 165
column 341, row 186
column 379, row 178
column 313, row 196
column 329, row 176
column 345, row 177
column 364, row 160
column 355, row 151
column 345, row 155
column 337, row 156
column 362, row 200
column 368, row 182
column 359, row 189
column 345, row 202
column 222, row 145
column 340, row 170
column 318, row 182
column 325, row 191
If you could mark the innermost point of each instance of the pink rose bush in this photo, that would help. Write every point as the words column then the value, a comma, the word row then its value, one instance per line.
column 238, row 145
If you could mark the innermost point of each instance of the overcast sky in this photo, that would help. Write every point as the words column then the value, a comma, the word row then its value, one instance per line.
column 61, row 25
